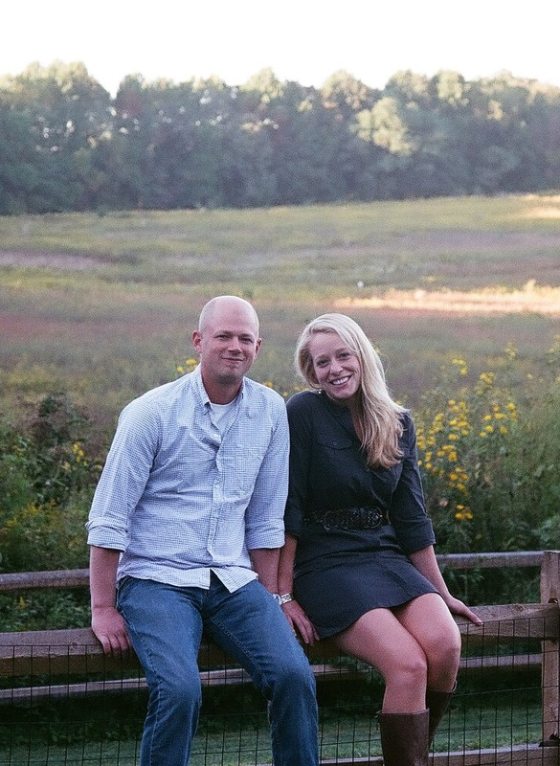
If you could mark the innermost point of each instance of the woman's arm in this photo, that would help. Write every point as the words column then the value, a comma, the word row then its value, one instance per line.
column 286, row 564
column 295, row 615
column 299, row 409
column 426, row 562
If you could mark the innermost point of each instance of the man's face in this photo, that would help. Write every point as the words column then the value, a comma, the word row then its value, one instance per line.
column 227, row 344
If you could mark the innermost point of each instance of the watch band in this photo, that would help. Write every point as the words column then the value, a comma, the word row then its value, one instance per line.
column 284, row 598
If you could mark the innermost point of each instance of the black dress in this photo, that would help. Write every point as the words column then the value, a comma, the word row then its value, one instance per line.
column 346, row 563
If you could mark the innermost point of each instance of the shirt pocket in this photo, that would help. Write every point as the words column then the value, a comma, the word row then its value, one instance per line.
column 335, row 456
column 334, row 442
column 243, row 467
column 340, row 473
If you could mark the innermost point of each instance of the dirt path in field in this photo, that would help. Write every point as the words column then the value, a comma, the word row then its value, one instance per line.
column 531, row 299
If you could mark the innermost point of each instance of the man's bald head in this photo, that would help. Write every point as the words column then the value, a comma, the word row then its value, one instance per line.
column 227, row 303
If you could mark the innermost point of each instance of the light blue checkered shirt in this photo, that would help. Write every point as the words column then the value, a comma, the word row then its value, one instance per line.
column 180, row 499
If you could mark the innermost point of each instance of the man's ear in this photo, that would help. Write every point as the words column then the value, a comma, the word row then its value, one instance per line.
column 258, row 346
column 197, row 340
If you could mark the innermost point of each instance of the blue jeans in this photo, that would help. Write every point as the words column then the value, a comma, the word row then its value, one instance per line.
column 165, row 624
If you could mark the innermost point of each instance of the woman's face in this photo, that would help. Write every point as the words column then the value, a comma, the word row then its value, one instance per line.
column 336, row 366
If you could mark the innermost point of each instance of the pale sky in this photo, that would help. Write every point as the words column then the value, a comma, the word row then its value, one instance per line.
column 301, row 40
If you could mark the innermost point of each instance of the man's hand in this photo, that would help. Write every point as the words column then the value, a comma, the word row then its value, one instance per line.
column 110, row 629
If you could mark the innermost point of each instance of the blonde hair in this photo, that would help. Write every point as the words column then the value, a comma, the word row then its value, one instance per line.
column 378, row 415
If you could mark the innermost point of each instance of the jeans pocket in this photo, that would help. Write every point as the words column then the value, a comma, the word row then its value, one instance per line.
column 123, row 586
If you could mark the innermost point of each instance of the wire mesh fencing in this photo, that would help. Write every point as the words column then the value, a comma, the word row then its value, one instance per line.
column 64, row 704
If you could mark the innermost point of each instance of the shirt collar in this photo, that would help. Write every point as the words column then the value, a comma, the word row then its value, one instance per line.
column 201, row 391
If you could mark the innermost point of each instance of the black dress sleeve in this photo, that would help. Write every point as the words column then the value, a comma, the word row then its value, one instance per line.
column 407, row 512
column 301, row 429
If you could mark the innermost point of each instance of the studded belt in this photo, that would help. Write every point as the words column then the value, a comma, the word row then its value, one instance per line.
column 366, row 517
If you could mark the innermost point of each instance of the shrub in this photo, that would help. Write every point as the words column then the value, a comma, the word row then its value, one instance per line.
column 46, row 480
column 489, row 466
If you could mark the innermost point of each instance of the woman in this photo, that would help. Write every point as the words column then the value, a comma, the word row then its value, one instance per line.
column 359, row 544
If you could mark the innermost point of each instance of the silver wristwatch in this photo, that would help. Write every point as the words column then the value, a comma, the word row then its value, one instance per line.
column 283, row 599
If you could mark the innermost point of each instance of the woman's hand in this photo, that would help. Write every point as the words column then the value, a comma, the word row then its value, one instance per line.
column 300, row 622
column 456, row 606
column 426, row 562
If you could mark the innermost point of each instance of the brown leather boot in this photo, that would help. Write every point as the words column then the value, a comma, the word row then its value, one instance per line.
column 404, row 738
column 437, row 703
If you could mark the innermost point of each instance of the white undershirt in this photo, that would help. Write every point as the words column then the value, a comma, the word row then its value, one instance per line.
column 220, row 414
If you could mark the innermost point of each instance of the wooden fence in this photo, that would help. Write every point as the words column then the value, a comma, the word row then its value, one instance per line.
column 41, row 657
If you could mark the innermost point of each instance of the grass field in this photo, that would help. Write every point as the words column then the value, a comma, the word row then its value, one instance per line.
column 103, row 306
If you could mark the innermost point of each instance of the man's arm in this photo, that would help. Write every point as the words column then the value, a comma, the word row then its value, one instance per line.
column 264, row 518
column 106, row 622
column 265, row 563
column 119, row 489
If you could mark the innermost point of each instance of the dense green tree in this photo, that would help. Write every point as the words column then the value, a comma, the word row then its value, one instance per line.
column 347, row 95
column 248, row 177
column 64, row 113
column 66, row 145
column 19, row 164
column 408, row 87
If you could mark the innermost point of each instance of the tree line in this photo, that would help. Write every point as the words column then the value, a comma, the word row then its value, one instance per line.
column 66, row 144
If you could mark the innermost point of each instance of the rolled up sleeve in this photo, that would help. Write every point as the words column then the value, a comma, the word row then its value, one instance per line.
column 123, row 478
column 264, row 520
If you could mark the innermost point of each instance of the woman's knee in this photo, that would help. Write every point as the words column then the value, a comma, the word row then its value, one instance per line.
column 404, row 667
column 451, row 640
column 452, row 643
column 412, row 668
column 444, row 651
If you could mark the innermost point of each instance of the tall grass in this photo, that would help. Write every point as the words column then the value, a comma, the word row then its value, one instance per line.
column 104, row 305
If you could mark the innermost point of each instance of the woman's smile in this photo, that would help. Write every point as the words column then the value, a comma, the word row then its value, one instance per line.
column 336, row 366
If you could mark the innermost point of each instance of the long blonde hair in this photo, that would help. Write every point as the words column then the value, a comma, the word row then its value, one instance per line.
column 378, row 416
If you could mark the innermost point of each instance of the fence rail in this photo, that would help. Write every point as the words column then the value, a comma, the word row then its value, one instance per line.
column 73, row 578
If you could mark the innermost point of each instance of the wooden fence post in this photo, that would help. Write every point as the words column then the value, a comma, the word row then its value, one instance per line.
column 550, row 594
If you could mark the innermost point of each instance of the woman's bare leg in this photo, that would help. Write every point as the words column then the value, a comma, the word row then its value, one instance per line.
column 429, row 621
column 380, row 639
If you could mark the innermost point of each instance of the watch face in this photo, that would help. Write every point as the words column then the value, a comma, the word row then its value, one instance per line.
column 285, row 598
column 282, row 599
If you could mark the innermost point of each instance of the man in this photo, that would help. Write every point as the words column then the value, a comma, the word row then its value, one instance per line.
column 185, row 530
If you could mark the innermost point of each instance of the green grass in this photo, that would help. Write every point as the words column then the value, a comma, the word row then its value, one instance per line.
column 383, row 243
column 242, row 739
column 104, row 306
